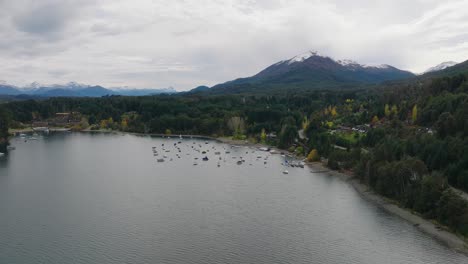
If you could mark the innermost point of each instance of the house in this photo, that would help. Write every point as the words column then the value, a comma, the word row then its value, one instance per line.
column 66, row 119
column 344, row 129
column 40, row 124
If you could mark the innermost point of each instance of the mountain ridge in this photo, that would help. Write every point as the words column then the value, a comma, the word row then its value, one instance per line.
column 314, row 71
column 73, row 89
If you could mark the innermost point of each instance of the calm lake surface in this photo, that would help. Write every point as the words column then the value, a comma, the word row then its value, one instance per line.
column 83, row 198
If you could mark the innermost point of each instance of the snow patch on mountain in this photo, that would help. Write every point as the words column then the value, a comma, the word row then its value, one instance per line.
column 344, row 62
column 303, row 57
column 441, row 66
column 378, row 66
column 347, row 62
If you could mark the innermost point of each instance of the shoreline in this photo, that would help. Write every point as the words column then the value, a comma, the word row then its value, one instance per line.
column 449, row 239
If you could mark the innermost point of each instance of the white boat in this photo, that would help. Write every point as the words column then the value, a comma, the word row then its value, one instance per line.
column 2, row 154
column 285, row 172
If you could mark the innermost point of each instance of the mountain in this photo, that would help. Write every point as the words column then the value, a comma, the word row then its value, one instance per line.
column 459, row 68
column 143, row 92
column 199, row 89
column 441, row 66
column 6, row 89
column 314, row 71
column 73, row 89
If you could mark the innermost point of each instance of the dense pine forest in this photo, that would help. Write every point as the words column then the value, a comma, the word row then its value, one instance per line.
column 406, row 140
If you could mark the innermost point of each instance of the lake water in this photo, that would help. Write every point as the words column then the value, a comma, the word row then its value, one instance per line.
column 83, row 198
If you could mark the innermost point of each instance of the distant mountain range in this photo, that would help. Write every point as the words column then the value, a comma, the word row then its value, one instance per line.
column 74, row 89
column 303, row 72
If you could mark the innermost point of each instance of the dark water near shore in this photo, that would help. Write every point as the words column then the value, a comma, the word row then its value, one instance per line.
column 82, row 198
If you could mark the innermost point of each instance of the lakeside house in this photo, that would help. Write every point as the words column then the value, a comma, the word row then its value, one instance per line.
column 66, row 119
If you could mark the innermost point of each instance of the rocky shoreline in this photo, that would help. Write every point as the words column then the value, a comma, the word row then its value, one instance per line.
column 441, row 234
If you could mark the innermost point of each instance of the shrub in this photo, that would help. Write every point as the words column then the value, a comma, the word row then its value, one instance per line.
column 313, row 156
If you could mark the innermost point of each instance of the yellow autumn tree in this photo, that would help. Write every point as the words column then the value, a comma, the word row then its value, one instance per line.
column 103, row 124
column 394, row 110
column 375, row 119
column 414, row 113
column 168, row 131
column 124, row 124
column 387, row 110
column 263, row 135
column 333, row 112
column 313, row 156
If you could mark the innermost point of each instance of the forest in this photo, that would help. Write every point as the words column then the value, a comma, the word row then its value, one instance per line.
column 406, row 140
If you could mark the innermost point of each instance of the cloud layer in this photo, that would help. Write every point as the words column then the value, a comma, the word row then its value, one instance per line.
column 186, row 43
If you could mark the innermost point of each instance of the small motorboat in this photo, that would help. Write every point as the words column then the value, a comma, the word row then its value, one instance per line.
column 285, row 172
column 160, row 160
column 239, row 162
column 205, row 158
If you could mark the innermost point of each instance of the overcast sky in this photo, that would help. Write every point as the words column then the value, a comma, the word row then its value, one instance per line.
column 184, row 43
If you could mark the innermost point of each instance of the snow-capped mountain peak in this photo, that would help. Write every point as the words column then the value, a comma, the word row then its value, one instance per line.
column 378, row 66
column 441, row 66
column 343, row 62
column 302, row 57
column 347, row 62
column 32, row 86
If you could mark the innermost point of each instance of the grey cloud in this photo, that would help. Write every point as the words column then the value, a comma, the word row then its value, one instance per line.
column 44, row 19
column 157, row 43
